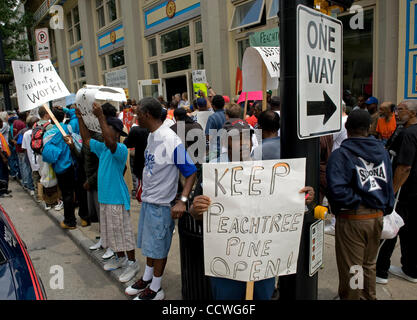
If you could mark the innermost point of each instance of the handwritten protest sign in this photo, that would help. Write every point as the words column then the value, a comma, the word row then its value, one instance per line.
column 199, row 82
column 252, row 229
column 253, row 59
column 89, row 94
column 37, row 83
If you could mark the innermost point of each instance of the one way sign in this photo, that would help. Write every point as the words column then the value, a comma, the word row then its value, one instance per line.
column 319, row 69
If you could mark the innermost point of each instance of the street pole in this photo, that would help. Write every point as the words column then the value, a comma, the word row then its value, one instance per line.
column 299, row 286
column 6, row 91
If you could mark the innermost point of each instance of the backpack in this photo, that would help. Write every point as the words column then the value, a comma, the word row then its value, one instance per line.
column 37, row 138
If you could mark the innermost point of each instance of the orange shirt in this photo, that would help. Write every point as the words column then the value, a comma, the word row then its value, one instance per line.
column 386, row 129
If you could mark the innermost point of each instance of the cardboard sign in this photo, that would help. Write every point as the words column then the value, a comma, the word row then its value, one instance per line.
column 253, row 59
column 253, row 228
column 37, row 83
column 197, row 87
column 88, row 95
column 199, row 82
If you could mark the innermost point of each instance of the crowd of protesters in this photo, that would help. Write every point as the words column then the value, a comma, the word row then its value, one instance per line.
column 142, row 152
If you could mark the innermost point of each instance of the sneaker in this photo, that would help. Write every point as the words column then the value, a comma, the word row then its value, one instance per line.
column 115, row 263
column 32, row 193
column 148, row 294
column 59, row 206
column 381, row 280
column 6, row 195
column 131, row 270
column 47, row 207
column 397, row 271
column 108, row 254
column 64, row 226
column 138, row 287
column 96, row 246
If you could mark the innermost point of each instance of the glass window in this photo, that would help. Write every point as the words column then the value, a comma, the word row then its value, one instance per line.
column 247, row 14
column 117, row 59
column 177, row 64
column 152, row 47
column 78, row 32
column 81, row 72
column 242, row 45
column 71, row 35
column 198, row 32
column 358, row 55
column 69, row 20
column 103, row 63
column 154, row 70
column 100, row 14
column 111, row 8
column 76, row 15
column 150, row 91
column 176, row 39
column 200, row 60
column 273, row 11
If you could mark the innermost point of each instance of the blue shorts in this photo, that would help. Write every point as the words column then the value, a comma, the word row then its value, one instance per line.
column 227, row 289
column 155, row 230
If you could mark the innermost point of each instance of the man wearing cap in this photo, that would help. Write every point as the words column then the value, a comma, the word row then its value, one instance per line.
column 360, row 192
column 113, row 195
column 372, row 105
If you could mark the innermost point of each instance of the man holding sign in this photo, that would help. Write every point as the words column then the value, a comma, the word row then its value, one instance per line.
column 226, row 287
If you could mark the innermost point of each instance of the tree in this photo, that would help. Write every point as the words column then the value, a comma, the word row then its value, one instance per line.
column 14, row 24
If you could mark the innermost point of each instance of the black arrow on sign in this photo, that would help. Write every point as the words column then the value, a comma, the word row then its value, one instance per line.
column 318, row 108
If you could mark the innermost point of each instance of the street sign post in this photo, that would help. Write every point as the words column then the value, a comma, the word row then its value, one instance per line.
column 320, row 76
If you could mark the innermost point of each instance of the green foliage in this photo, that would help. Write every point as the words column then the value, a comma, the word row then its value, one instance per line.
column 13, row 28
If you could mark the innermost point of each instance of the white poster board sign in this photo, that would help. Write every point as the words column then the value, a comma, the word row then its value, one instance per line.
column 253, row 227
column 253, row 59
column 89, row 94
column 117, row 78
column 37, row 83
column 199, row 76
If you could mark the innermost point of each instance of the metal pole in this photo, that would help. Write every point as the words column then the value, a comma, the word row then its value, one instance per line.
column 299, row 286
column 6, row 91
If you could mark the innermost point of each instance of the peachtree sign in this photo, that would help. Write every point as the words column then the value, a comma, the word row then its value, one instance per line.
column 319, row 69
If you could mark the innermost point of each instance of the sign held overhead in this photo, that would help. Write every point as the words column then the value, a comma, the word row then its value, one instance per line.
column 319, row 69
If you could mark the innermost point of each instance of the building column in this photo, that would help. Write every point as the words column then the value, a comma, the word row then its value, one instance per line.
column 88, row 39
column 133, row 45
column 387, row 50
column 215, row 27
column 62, row 56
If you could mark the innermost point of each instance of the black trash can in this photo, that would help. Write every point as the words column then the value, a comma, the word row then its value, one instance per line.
column 195, row 285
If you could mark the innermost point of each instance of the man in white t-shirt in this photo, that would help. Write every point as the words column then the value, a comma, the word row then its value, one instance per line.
column 341, row 136
column 34, row 164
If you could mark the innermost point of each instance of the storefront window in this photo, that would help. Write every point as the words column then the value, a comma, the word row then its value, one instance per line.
column 242, row 45
column 273, row 11
column 154, row 71
column 177, row 64
column 152, row 47
column 198, row 32
column 358, row 55
column 176, row 39
column 117, row 59
column 247, row 14
column 200, row 60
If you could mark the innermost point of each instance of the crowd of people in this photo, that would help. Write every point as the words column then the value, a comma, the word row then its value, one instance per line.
column 143, row 151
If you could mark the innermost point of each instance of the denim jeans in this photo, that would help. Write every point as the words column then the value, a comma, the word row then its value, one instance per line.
column 25, row 170
column 14, row 164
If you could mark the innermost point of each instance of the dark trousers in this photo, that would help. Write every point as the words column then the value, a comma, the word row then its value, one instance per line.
column 408, row 241
column 66, row 183
column 81, row 195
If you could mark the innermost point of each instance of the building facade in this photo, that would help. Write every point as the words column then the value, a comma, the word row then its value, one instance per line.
column 151, row 47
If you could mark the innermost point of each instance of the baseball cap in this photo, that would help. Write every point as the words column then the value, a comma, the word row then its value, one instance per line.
column 269, row 92
column 372, row 100
column 201, row 102
column 117, row 125
column 226, row 99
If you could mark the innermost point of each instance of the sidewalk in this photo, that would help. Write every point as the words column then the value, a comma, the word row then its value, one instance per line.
column 396, row 289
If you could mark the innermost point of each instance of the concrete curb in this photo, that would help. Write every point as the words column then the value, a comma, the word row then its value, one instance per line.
column 84, row 243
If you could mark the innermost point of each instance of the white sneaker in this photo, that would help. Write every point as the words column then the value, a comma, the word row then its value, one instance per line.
column 109, row 253
column 381, row 280
column 115, row 263
column 137, row 287
column 397, row 271
column 32, row 193
column 131, row 270
column 96, row 246
column 59, row 206
column 47, row 207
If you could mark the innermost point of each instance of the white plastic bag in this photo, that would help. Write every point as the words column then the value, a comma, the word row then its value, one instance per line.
column 392, row 223
column 48, row 176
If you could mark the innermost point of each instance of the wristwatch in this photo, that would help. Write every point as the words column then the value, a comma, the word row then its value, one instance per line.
column 184, row 199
